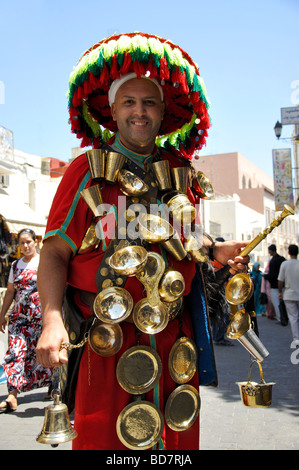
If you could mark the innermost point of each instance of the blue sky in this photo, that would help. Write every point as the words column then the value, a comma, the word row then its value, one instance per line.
column 247, row 52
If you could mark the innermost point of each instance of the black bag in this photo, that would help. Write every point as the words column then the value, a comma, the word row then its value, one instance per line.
column 284, row 320
column 263, row 298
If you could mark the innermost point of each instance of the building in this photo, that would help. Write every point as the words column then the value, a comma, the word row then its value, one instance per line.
column 244, row 204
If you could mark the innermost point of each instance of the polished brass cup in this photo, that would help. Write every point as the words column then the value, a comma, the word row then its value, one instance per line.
column 239, row 289
column 203, row 186
column 93, row 198
column 180, row 208
column 163, row 175
column 175, row 247
column 128, row 261
column 113, row 305
column 171, row 286
column 105, row 339
column 150, row 319
column 180, row 177
column 96, row 159
column 114, row 163
column 130, row 184
column 153, row 228
column 57, row 427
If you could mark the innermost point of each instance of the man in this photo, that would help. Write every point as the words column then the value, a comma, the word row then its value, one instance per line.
column 153, row 89
column 272, row 276
column 288, row 286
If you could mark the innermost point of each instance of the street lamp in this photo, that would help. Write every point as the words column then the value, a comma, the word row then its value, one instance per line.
column 277, row 129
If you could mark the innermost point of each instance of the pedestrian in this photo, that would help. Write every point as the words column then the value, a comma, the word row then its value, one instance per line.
column 288, row 285
column 21, row 368
column 256, row 275
column 272, row 276
column 148, row 94
column 266, row 293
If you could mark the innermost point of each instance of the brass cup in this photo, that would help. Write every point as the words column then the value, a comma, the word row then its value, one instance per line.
column 203, row 186
column 175, row 247
column 180, row 208
column 253, row 394
column 128, row 261
column 96, row 159
column 153, row 228
column 113, row 305
column 150, row 319
column 180, row 178
column 93, row 198
column 105, row 339
column 172, row 285
column 114, row 163
column 239, row 289
column 162, row 172
column 130, row 184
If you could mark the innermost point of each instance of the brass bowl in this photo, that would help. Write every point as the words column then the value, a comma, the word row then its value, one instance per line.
column 172, row 285
column 105, row 339
column 239, row 289
column 130, row 184
column 150, row 319
column 239, row 324
column 129, row 260
column 153, row 228
column 182, row 407
column 113, row 305
column 139, row 370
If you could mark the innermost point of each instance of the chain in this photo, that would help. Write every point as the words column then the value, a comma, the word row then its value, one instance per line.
column 69, row 346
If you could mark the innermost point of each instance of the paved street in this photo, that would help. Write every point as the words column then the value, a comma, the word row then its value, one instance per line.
column 226, row 424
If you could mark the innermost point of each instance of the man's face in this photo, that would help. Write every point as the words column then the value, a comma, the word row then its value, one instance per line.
column 138, row 111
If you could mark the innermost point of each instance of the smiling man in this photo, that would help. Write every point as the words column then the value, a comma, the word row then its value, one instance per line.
column 147, row 95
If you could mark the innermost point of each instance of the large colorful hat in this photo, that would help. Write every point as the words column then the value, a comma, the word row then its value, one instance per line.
column 186, row 118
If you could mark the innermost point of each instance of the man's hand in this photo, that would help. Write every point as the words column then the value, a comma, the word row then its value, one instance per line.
column 48, row 350
column 228, row 253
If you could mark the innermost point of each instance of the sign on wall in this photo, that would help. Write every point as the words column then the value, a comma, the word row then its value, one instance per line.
column 282, row 173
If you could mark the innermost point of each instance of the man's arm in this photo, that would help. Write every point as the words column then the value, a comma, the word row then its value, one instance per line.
column 51, row 281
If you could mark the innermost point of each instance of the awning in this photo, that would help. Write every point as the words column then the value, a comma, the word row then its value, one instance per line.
column 18, row 215
column 15, row 227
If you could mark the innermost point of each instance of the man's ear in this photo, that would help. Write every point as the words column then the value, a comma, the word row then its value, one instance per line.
column 113, row 112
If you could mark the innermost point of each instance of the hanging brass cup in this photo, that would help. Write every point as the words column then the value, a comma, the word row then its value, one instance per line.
column 96, row 159
column 150, row 319
column 114, row 163
column 113, row 305
column 239, row 289
column 128, row 261
column 175, row 247
column 172, row 285
column 130, row 184
column 202, row 186
column 162, row 173
column 180, row 208
column 153, row 228
column 105, row 339
column 93, row 198
column 180, row 178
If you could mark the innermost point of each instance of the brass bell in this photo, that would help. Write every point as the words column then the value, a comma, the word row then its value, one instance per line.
column 57, row 427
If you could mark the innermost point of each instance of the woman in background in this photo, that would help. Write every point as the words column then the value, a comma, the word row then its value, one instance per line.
column 24, row 326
